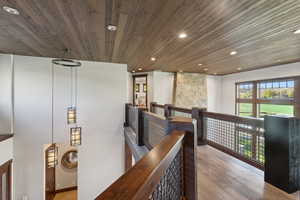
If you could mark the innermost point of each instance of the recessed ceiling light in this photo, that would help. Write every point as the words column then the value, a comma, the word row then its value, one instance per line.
column 11, row 10
column 182, row 35
column 140, row 69
column 180, row 71
column 133, row 71
column 233, row 53
column 205, row 69
column 111, row 27
column 297, row 31
column 153, row 59
column 199, row 64
column 215, row 73
column 239, row 68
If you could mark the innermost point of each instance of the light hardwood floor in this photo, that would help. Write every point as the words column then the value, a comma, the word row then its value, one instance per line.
column 222, row 177
column 70, row 195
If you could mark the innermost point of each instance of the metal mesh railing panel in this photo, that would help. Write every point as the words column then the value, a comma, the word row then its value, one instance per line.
column 245, row 140
column 170, row 185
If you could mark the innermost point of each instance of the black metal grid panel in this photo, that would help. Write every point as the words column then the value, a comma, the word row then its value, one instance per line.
column 180, row 114
column 159, row 111
column 170, row 185
column 243, row 139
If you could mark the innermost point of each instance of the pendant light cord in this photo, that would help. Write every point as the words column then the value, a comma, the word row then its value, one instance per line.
column 75, row 95
column 12, row 124
column 52, row 103
column 71, row 83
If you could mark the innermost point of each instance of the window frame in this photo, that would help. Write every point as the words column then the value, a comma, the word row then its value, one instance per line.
column 256, row 101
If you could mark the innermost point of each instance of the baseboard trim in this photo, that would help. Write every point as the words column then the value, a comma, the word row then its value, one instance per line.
column 66, row 189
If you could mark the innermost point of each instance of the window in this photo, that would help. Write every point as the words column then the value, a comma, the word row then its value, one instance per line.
column 266, row 97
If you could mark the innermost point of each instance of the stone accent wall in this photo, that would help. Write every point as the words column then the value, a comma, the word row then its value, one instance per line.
column 191, row 90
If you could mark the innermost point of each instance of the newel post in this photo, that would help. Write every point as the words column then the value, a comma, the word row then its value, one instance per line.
column 126, row 123
column 152, row 107
column 167, row 109
column 197, row 114
column 282, row 150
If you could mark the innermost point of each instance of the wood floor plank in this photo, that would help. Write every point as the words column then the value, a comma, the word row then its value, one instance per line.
column 222, row 177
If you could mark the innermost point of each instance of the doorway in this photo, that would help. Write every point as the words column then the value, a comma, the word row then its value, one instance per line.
column 5, row 181
column 140, row 90
column 61, row 180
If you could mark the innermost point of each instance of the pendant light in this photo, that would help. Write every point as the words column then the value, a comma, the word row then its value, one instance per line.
column 75, row 131
column 53, row 149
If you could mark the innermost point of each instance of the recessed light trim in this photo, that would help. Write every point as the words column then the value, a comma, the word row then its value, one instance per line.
column 111, row 27
column 182, row 35
column 233, row 53
column 205, row 69
column 297, row 31
column 239, row 68
column 133, row 71
column 200, row 64
column 153, row 59
column 140, row 69
column 11, row 10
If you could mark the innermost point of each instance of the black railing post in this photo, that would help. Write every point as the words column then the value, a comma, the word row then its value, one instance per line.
column 152, row 107
column 126, row 123
column 197, row 113
column 167, row 110
column 140, row 133
column 282, row 150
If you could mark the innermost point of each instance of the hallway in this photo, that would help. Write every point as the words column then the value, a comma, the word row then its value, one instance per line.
column 70, row 195
column 222, row 177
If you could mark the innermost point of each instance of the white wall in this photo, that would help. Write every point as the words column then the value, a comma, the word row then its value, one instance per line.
column 5, row 94
column 6, row 150
column 64, row 178
column 228, row 82
column 214, row 93
column 102, row 94
column 163, row 85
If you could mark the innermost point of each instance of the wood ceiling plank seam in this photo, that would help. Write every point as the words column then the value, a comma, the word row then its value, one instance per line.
column 198, row 39
column 119, row 35
column 153, row 26
column 157, row 23
column 96, row 27
column 66, row 16
column 129, row 30
column 216, row 20
column 28, row 32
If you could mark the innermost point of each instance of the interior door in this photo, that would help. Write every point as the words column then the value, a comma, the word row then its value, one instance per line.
column 50, row 178
column 5, row 181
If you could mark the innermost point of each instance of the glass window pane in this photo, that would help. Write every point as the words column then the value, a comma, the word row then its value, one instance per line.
column 283, row 84
column 245, row 91
column 245, row 109
column 276, row 85
column 272, row 109
column 277, row 90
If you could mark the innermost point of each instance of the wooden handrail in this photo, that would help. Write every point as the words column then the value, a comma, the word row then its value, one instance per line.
column 5, row 137
column 236, row 119
column 140, row 181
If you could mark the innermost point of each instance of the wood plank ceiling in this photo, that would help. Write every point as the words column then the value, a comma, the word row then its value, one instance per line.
column 261, row 31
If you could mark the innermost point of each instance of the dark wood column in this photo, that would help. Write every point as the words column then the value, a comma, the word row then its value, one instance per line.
column 297, row 97
column 282, row 150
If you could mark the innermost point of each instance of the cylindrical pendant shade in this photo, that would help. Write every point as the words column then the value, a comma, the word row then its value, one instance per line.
column 52, row 156
column 71, row 115
column 75, row 135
